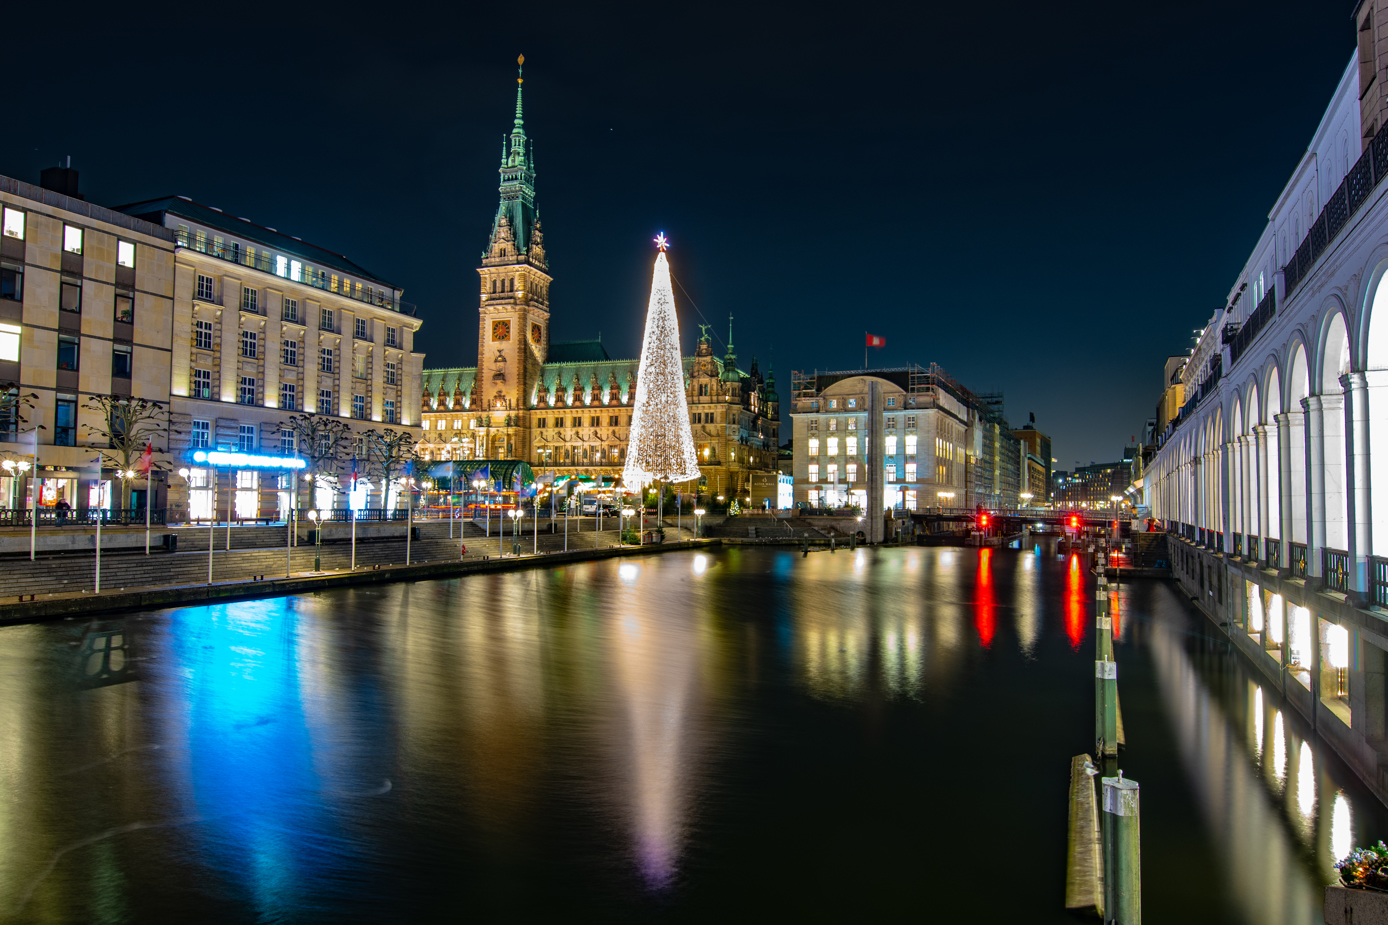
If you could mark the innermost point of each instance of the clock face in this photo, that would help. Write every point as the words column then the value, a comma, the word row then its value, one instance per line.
column 501, row 330
column 535, row 334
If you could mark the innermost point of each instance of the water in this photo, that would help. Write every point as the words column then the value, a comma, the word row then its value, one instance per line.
column 743, row 735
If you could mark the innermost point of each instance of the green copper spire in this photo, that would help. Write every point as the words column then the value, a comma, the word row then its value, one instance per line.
column 730, row 358
column 520, row 116
column 517, row 180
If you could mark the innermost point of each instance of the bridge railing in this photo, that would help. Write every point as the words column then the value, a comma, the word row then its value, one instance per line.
column 1335, row 569
column 1272, row 548
column 1296, row 553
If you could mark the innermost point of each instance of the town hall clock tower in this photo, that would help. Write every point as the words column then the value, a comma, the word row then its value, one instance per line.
column 513, row 337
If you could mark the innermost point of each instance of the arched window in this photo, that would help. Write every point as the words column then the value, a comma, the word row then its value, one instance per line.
column 493, row 287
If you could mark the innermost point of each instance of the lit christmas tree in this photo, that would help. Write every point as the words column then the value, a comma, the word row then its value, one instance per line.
column 661, row 447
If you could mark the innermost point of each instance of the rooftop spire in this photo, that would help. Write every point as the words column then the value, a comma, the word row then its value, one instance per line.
column 520, row 79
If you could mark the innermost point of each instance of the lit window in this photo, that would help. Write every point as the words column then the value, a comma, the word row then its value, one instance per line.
column 359, row 366
column 891, row 444
column 202, row 434
column 125, row 307
column 9, row 342
column 424, row 425
column 852, row 470
column 833, row 423
column 910, row 472
column 833, row 473
column 814, row 472
column 14, row 224
column 814, row 446
column 72, row 239
column 852, row 403
column 853, row 424
column 891, row 473
column 202, row 383
column 851, row 446
column 296, row 271
column 833, row 403
column 833, row 446
column 125, row 254
column 281, row 266
column 910, row 444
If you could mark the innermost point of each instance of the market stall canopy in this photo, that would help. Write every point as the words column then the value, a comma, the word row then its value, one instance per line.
column 500, row 474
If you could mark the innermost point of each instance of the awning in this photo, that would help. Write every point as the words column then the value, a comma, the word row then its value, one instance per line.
column 500, row 474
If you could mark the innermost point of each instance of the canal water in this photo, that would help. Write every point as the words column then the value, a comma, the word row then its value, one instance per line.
column 739, row 735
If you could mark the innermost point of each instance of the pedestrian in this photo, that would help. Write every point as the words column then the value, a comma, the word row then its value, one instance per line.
column 462, row 551
column 62, row 508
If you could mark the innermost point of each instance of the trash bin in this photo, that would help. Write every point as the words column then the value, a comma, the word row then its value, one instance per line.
column 171, row 542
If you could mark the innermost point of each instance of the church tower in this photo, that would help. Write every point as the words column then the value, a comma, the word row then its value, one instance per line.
column 513, row 337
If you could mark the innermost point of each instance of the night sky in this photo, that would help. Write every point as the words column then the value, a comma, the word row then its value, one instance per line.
column 1043, row 198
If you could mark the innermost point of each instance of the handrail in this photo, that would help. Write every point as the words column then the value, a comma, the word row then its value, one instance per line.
column 1335, row 569
column 1296, row 559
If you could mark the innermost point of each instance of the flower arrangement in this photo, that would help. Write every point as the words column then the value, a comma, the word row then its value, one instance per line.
column 1365, row 868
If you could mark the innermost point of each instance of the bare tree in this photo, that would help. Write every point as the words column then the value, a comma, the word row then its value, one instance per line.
column 13, row 405
column 128, row 425
column 322, row 442
column 389, row 453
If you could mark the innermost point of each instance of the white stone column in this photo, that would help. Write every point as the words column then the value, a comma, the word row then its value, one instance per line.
column 1260, row 437
column 1315, row 482
column 1225, row 460
column 1284, row 485
column 1245, row 490
column 1359, row 512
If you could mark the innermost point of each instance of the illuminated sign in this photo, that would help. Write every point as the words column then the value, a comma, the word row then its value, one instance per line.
column 247, row 460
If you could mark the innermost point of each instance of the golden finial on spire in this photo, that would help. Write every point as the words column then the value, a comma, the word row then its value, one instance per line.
column 520, row 63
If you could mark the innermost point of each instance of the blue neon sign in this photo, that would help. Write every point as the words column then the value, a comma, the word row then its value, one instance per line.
column 247, row 460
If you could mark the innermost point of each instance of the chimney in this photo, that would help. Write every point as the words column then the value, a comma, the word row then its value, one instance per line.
column 61, row 179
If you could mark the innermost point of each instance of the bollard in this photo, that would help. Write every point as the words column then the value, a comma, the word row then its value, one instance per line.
column 1105, row 676
column 1122, row 852
column 831, row 544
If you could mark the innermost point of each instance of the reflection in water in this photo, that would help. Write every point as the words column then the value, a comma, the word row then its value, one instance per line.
column 985, row 619
column 1341, row 828
column 1076, row 607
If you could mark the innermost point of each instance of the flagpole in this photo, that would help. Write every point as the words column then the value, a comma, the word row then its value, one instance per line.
column 149, row 502
column 865, row 351
column 34, row 500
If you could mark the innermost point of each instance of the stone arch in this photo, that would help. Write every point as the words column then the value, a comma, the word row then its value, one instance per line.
column 1373, row 331
column 1334, row 362
column 1233, row 449
column 1297, row 389
column 1272, row 444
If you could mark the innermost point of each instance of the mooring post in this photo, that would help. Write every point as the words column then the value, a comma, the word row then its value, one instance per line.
column 1122, row 852
column 1105, row 675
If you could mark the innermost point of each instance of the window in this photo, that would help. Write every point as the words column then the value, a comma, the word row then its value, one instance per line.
column 67, row 353
column 853, row 403
column 359, row 407
column 814, row 423
column 891, row 473
column 204, row 288
column 11, row 281
column 325, row 401
column 891, row 444
column 245, row 395
column 296, row 271
column 125, row 254
column 359, row 366
column 202, row 383
column 65, row 421
column 814, row 472
column 613, row 420
column 125, row 307
column 361, row 329
column 250, row 300
column 577, row 422
column 852, row 469
column 891, row 423
column 72, row 241
column 832, row 473
column 70, row 297
column 289, row 396
column 891, row 401
column 325, row 319
column 281, row 266
column 245, row 438
column 121, row 361
column 289, row 353
column 290, row 310
column 910, row 472
column 833, row 447
column 853, row 424
column 424, row 424
column 910, row 421
column 833, row 403
column 851, row 446
column 248, row 344
column 389, row 412
column 325, row 359
column 391, row 337
column 202, row 435
column 390, row 373
column 910, row 444
column 202, row 332
column 814, row 446
column 286, row 442
column 14, row 224
column 9, row 343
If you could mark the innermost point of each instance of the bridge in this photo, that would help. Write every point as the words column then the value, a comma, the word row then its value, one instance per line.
column 1011, row 520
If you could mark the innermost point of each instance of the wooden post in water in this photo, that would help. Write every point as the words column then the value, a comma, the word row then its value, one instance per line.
column 1105, row 675
column 1122, row 852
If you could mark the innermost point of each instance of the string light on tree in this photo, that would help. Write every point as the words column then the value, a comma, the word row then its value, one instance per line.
column 661, row 447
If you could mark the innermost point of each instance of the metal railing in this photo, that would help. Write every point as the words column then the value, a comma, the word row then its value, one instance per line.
column 1366, row 173
column 1296, row 559
column 316, row 278
column 1238, row 545
column 1252, row 548
column 49, row 517
column 1335, row 569
column 365, row 515
column 1272, row 551
column 1253, row 326
column 1378, row 580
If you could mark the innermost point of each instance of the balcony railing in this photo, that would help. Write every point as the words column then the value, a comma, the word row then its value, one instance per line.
column 1253, row 326
column 1366, row 174
column 1378, row 580
column 1335, row 569
column 1296, row 553
column 1219, row 542
column 1273, row 550
column 1238, row 545
column 316, row 278
column 344, row 515
column 48, row 517
column 1252, row 548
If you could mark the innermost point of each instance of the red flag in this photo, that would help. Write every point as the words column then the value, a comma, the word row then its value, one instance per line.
column 146, row 459
column 874, row 341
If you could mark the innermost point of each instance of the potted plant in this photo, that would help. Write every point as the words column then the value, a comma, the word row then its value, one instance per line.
column 1362, row 893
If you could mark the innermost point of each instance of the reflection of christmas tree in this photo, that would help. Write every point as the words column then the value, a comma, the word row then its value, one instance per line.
column 661, row 447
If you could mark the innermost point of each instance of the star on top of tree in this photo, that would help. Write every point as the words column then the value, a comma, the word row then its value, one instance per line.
column 661, row 242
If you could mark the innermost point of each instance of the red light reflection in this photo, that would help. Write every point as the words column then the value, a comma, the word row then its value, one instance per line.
column 1074, row 602
column 985, row 604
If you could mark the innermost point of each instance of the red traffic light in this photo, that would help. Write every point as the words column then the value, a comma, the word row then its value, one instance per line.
column 1074, row 520
column 983, row 520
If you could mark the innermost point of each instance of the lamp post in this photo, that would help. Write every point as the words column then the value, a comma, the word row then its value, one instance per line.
column 516, row 514
column 16, row 471
column 626, row 513
column 1026, row 497
column 409, row 516
column 698, row 519
column 317, row 540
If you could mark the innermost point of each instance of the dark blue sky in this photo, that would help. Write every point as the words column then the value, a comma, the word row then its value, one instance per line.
column 1043, row 198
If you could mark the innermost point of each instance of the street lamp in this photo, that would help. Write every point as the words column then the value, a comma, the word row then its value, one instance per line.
column 516, row 514
column 698, row 519
column 13, row 467
column 1026, row 497
column 313, row 515
column 626, row 513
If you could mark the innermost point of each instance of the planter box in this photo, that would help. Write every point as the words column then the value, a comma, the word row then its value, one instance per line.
column 1344, row 906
